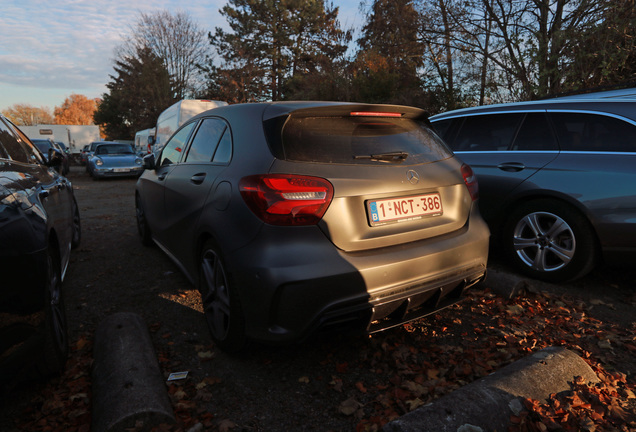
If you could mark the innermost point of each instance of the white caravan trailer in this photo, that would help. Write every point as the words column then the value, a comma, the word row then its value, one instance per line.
column 75, row 137
column 175, row 115
column 142, row 144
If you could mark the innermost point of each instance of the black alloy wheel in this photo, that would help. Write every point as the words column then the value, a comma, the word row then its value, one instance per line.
column 77, row 226
column 55, row 326
column 142, row 223
column 221, row 304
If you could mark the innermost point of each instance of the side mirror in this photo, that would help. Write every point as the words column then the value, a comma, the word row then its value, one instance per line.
column 151, row 140
column 149, row 162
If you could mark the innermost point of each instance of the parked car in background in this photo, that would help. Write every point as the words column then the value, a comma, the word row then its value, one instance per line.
column 66, row 162
column 293, row 217
column 63, row 147
column 557, row 178
column 44, row 145
column 39, row 224
column 114, row 160
column 84, row 154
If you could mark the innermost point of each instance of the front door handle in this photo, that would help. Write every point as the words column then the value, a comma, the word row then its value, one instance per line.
column 162, row 176
column 198, row 178
column 511, row 166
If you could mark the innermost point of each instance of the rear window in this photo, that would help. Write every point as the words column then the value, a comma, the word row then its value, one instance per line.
column 43, row 146
column 114, row 149
column 361, row 140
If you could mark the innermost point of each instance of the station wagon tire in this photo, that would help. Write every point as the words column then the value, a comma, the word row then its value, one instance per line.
column 142, row 224
column 77, row 226
column 221, row 305
column 549, row 240
column 55, row 325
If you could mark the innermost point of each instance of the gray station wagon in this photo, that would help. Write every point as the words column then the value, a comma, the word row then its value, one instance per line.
column 557, row 178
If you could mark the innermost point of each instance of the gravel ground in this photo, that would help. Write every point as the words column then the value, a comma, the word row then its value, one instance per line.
column 310, row 386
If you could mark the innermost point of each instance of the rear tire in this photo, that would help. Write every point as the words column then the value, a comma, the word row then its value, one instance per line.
column 77, row 226
column 549, row 240
column 142, row 224
column 55, row 326
column 221, row 304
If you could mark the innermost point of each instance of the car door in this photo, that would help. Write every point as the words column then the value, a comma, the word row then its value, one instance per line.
column 42, row 192
column 154, row 182
column 190, row 182
column 597, row 167
column 504, row 150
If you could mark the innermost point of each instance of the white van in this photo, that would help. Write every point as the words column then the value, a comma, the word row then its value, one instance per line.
column 175, row 115
column 142, row 144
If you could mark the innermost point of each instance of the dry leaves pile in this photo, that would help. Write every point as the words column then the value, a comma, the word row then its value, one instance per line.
column 400, row 370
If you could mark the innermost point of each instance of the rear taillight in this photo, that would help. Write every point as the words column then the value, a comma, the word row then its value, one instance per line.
column 374, row 114
column 286, row 199
column 471, row 181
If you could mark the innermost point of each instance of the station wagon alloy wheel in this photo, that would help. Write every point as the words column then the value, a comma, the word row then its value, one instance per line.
column 549, row 240
column 544, row 241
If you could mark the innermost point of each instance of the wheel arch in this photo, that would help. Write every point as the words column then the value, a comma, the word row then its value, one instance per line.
column 549, row 195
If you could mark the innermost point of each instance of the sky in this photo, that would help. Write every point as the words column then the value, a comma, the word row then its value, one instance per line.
column 52, row 49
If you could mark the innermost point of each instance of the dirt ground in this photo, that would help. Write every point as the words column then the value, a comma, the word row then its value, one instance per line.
column 330, row 382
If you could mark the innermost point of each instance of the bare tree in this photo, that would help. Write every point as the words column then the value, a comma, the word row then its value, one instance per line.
column 177, row 40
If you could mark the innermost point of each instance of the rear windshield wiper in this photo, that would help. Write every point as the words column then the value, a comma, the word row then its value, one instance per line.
column 392, row 157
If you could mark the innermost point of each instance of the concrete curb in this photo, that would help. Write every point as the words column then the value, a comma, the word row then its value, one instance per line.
column 489, row 402
column 128, row 387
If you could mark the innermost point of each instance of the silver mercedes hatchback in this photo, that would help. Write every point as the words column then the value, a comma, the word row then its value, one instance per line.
column 296, row 216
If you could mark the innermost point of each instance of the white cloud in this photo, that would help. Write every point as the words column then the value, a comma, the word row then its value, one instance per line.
column 67, row 46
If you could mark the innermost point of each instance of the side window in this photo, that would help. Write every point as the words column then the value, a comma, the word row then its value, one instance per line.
column 12, row 146
column 224, row 150
column 535, row 134
column 173, row 150
column 206, row 140
column 593, row 132
column 442, row 128
column 32, row 152
column 492, row 132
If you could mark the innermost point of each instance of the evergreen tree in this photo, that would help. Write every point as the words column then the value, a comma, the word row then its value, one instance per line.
column 386, row 68
column 270, row 43
column 138, row 93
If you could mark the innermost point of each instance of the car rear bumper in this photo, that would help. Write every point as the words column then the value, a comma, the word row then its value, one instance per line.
column 301, row 286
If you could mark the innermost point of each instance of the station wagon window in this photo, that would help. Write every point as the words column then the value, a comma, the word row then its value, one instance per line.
column 487, row 132
column 442, row 127
column 535, row 134
column 206, row 140
column 593, row 132
column 173, row 150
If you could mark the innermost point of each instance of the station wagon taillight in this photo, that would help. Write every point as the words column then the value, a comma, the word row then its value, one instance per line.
column 471, row 181
column 285, row 199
